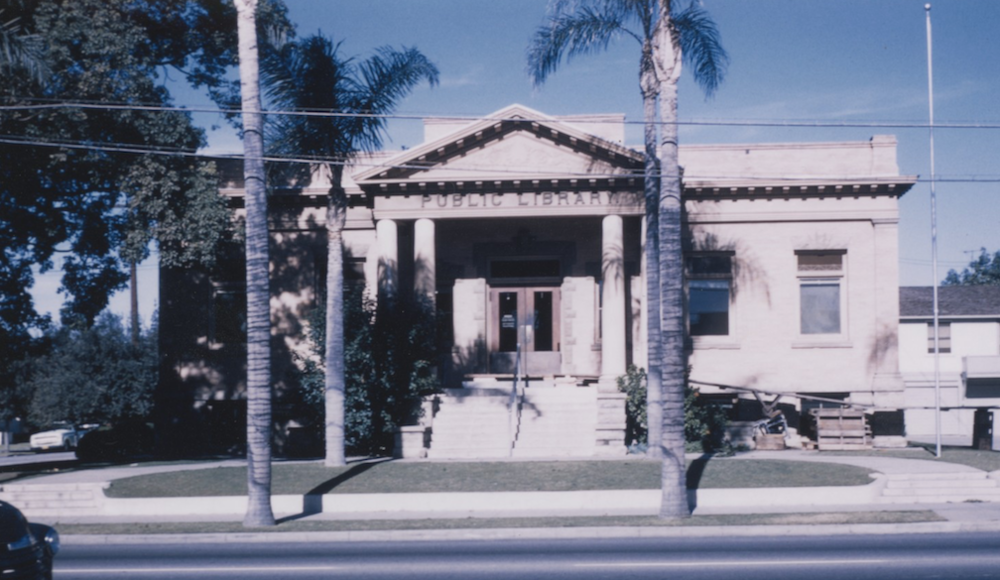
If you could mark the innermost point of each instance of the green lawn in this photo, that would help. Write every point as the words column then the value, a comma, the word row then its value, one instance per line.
column 842, row 518
column 419, row 477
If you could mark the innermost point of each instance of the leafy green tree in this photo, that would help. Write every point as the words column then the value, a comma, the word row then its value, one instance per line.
column 981, row 271
column 67, row 187
column 92, row 374
column 311, row 75
column 73, row 179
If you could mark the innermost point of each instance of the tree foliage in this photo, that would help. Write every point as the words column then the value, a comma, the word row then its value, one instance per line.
column 74, row 180
column 95, row 184
column 981, row 271
column 389, row 364
column 92, row 374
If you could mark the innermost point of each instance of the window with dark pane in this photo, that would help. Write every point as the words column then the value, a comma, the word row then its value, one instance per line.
column 709, row 288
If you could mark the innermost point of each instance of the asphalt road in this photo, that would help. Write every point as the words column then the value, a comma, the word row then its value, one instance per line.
column 965, row 556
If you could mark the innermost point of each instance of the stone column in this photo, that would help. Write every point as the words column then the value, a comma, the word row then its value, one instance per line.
column 640, row 346
column 612, row 299
column 388, row 262
column 610, row 431
column 424, row 274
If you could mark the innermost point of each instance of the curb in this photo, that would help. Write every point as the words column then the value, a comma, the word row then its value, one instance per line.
column 534, row 534
column 603, row 502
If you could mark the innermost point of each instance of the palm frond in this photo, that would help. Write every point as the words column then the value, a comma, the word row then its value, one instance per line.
column 387, row 77
column 583, row 31
column 309, row 75
column 701, row 46
column 19, row 50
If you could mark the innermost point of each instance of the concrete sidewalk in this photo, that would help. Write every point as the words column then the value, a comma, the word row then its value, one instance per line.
column 915, row 475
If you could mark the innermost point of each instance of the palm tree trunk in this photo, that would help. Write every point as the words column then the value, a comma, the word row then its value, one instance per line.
column 258, row 293
column 335, row 385
column 654, row 397
column 133, row 303
column 673, row 503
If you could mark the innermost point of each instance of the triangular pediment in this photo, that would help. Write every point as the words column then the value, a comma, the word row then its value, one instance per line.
column 515, row 143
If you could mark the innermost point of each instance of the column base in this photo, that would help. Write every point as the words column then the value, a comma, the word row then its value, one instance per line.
column 610, row 431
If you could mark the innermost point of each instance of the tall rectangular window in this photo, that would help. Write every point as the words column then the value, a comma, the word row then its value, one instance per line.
column 709, row 280
column 821, row 276
column 944, row 337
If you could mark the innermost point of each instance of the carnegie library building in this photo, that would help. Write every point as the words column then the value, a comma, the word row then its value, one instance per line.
column 526, row 234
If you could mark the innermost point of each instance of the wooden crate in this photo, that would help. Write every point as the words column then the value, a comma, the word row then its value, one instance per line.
column 770, row 442
column 842, row 430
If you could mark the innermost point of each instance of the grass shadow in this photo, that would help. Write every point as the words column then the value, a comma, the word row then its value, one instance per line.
column 312, row 501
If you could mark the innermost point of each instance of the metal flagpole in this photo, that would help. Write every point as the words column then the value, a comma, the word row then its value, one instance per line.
column 934, row 268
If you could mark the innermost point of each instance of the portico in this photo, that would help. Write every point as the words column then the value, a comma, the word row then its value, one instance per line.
column 531, row 251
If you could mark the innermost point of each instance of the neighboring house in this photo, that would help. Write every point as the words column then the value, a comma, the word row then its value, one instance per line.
column 969, row 357
column 791, row 255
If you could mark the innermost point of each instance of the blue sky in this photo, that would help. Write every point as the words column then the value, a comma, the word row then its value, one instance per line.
column 849, row 61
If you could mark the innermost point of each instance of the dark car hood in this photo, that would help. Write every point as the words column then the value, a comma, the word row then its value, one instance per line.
column 12, row 525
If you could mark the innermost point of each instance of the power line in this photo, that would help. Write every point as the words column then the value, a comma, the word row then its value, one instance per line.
column 333, row 113
column 359, row 163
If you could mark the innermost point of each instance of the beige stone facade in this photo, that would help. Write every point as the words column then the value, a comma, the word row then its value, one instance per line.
column 525, row 229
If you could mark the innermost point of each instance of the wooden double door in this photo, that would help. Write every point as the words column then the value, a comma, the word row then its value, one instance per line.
column 528, row 316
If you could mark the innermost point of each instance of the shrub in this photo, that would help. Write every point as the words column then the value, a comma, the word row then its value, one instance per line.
column 704, row 421
column 93, row 375
column 120, row 442
column 389, row 358
column 633, row 384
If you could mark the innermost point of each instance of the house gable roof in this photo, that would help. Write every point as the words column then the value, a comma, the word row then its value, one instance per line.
column 953, row 301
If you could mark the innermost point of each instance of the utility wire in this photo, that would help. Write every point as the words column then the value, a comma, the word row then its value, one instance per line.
column 359, row 162
column 332, row 113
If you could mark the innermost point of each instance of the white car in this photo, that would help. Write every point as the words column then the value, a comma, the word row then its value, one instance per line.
column 64, row 436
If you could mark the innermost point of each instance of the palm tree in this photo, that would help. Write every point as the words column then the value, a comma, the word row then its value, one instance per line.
column 309, row 75
column 583, row 29
column 690, row 35
column 259, row 511
column 587, row 26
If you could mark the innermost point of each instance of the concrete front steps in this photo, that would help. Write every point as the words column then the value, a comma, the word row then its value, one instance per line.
column 55, row 499
column 940, row 488
column 469, row 423
column 555, row 420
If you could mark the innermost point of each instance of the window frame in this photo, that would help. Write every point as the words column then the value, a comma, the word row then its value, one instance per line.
column 822, row 275
column 944, row 342
column 728, row 339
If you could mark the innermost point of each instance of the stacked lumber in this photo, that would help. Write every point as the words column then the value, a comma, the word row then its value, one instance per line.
column 842, row 429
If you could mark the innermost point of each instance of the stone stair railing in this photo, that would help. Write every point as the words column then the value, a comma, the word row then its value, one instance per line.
column 47, row 500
